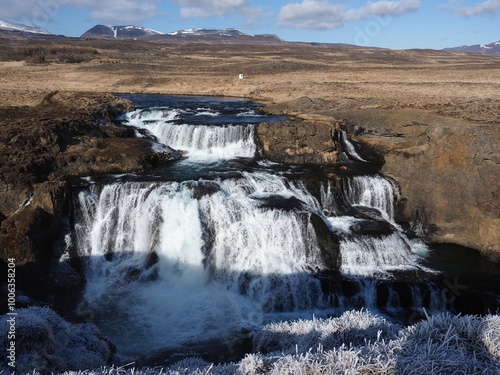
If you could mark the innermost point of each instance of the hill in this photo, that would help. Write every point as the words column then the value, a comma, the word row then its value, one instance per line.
column 491, row 49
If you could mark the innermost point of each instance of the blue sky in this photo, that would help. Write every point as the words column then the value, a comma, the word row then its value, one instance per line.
column 391, row 24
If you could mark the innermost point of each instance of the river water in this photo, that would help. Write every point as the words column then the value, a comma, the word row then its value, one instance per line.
column 214, row 246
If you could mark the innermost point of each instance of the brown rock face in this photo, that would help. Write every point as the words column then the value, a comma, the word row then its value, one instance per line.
column 299, row 141
column 448, row 171
column 40, row 147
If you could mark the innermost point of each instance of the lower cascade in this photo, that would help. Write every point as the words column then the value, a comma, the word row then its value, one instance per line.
column 187, row 260
column 174, row 261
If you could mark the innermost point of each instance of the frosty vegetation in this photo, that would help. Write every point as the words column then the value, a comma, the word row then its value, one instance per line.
column 48, row 343
column 357, row 342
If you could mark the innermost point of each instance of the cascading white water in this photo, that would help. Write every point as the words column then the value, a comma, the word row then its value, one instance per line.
column 170, row 263
column 200, row 141
column 349, row 147
column 149, row 259
column 327, row 199
column 368, row 255
column 371, row 191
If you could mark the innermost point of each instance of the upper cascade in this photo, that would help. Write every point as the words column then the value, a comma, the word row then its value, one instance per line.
column 221, row 138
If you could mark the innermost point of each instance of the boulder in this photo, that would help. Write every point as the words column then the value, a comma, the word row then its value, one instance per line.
column 328, row 243
column 298, row 141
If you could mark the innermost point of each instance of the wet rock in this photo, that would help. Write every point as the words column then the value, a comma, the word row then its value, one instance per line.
column 205, row 188
column 372, row 228
column 328, row 243
column 280, row 202
column 371, row 223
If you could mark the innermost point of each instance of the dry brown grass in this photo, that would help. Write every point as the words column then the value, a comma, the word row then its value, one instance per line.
column 452, row 84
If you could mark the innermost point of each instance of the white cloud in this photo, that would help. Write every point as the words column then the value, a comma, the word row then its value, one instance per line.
column 385, row 8
column 218, row 8
column 17, row 9
column 312, row 14
column 119, row 11
column 206, row 8
column 129, row 11
column 124, row 11
column 104, row 11
column 322, row 15
column 484, row 7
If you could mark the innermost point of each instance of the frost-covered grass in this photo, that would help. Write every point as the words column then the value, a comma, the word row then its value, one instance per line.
column 357, row 342
column 354, row 328
column 47, row 342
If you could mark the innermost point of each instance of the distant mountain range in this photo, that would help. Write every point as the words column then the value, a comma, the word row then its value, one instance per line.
column 21, row 27
column 181, row 36
column 19, row 31
column 200, row 32
column 118, row 32
column 492, row 48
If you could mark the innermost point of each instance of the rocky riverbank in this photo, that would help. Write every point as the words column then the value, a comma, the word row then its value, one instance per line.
column 42, row 146
column 431, row 116
column 448, row 169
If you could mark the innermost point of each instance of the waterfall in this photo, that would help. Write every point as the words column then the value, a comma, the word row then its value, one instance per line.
column 364, row 255
column 205, row 255
column 370, row 191
column 372, row 246
column 349, row 147
column 171, row 263
column 226, row 141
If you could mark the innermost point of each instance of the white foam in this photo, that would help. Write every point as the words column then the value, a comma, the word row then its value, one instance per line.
column 369, row 256
column 202, row 142
column 254, row 264
column 371, row 191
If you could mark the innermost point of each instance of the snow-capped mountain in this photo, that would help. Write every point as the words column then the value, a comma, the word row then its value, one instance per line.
column 200, row 32
column 21, row 27
column 492, row 48
column 200, row 35
column 119, row 32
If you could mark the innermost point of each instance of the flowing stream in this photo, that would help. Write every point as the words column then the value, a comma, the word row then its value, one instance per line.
column 222, row 242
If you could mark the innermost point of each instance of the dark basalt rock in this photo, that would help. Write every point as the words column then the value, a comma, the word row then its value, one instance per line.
column 371, row 221
column 372, row 227
column 205, row 188
column 328, row 243
column 280, row 202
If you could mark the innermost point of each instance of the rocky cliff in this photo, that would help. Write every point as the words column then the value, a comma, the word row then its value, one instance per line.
column 448, row 169
column 40, row 148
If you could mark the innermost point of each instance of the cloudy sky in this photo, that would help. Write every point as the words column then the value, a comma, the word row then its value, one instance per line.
column 392, row 24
